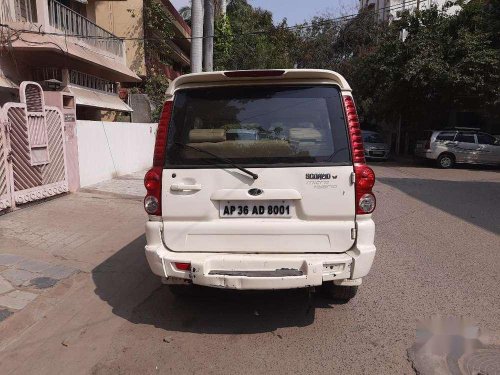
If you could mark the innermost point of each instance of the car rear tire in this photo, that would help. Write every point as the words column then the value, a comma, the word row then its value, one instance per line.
column 446, row 161
column 339, row 293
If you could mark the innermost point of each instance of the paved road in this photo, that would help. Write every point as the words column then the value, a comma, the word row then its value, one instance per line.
column 438, row 253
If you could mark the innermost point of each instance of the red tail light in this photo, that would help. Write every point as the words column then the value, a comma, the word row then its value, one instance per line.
column 365, row 177
column 254, row 73
column 358, row 151
column 152, row 179
column 161, row 135
column 427, row 145
column 182, row 266
column 152, row 182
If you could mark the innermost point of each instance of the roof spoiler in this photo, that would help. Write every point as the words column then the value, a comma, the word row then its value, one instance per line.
column 209, row 78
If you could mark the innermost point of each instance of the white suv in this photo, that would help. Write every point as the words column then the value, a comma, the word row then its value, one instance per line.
column 259, row 181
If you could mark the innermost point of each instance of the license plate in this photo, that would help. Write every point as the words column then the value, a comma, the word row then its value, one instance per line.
column 255, row 209
column 378, row 153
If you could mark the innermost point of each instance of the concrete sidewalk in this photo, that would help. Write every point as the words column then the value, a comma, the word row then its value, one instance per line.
column 44, row 244
column 131, row 186
column 50, row 256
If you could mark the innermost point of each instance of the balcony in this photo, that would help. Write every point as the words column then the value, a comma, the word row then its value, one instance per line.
column 48, row 32
column 74, row 24
column 92, row 82
column 52, row 16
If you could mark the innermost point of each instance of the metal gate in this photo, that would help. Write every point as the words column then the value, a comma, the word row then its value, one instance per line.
column 32, row 149
column 5, row 186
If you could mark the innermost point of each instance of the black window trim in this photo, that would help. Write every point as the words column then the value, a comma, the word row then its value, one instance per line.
column 447, row 131
column 488, row 135
column 467, row 133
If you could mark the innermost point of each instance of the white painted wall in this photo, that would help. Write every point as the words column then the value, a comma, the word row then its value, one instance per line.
column 110, row 149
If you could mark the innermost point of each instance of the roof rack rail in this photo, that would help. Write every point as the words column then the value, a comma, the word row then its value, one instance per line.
column 462, row 128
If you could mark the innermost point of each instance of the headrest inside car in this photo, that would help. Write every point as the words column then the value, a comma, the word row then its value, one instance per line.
column 305, row 135
column 207, row 135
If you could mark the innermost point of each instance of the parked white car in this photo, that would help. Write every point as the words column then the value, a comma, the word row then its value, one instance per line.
column 289, row 208
column 459, row 145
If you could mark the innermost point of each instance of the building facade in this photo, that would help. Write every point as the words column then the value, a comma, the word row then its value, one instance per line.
column 388, row 10
column 157, row 47
column 129, row 19
column 58, row 44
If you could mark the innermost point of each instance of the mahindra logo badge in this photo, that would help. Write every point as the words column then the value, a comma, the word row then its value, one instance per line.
column 255, row 192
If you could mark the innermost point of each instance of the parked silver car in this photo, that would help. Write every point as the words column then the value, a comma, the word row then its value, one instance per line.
column 451, row 146
column 375, row 146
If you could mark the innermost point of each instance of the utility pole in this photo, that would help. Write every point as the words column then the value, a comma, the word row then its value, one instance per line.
column 208, row 36
column 196, row 35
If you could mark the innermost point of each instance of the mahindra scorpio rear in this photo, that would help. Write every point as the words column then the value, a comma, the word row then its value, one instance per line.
column 259, row 182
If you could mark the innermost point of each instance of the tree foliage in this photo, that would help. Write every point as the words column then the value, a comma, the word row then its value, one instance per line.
column 158, row 30
column 155, row 86
column 448, row 61
column 223, row 46
column 253, row 42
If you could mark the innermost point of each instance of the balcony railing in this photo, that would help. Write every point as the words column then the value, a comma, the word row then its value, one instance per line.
column 74, row 24
column 92, row 82
column 44, row 73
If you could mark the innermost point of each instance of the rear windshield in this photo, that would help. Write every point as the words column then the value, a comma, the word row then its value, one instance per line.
column 259, row 126
column 372, row 138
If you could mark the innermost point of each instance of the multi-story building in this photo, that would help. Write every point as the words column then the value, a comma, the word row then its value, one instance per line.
column 387, row 10
column 59, row 44
column 157, row 43
column 128, row 19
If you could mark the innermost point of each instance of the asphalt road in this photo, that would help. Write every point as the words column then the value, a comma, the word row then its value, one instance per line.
column 438, row 240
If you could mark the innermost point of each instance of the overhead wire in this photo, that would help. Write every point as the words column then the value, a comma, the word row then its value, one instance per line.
column 255, row 32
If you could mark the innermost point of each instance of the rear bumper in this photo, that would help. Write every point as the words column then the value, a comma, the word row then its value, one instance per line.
column 371, row 156
column 425, row 154
column 276, row 271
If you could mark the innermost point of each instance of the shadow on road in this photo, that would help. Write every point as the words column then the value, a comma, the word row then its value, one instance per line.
column 477, row 202
column 126, row 283
column 426, row 163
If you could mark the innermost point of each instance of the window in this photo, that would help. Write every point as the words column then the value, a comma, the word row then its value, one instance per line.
column 465, row 138
column 68, row 102
column 446, row 136
column 259, row 125
column 372, row 138
column 485, row 139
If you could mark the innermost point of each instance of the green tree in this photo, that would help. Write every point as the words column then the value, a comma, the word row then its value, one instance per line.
column 155, row 86
column 253, row 42
column 158, row 30
column 222, row 42
column 446, row 63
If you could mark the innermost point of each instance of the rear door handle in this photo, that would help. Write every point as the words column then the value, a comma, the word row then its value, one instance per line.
column 182, row 187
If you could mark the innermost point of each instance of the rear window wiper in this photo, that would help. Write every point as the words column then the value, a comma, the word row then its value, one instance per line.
column 220, row 158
